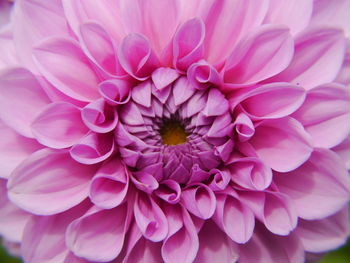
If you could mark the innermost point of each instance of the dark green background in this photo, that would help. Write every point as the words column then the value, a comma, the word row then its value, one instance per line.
column 340, row 256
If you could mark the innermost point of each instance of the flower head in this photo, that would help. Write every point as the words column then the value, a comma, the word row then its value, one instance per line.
column 174, row 130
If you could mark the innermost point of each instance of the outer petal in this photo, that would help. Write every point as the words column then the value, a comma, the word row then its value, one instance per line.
column 8, row 58
column 282, row 144
column 145, row 251
column 12, row 219
column 319, row 188
column 226, row 22
column 99, row 234
column 325, row 114
column 325, row 234
column 319, row 54
column 63, row 63
column 214, row 246
column 59, row 125
column 343, row 150
column 21, row 99
column 14, row 149
column 296, row 14
column 264, row 53
column 49, row 182
column 266, row 247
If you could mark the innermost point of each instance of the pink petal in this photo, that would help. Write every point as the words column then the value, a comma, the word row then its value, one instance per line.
column 49, row 182
column 216, row 104
column 30, row 27
column 63, row 63
column 162, row 77
column 221, row 178
column 150, row 218
column 201, row 75
column 325, row 234
column 244, row 127
column 137, row 57
column 115, row 91
column 93, row 148
column 44, row 236
column 108, row 229
column 325, row 114
column 227, row 22
column 264, row 53
column 182, row 90
column 282, row 144
column 229, row 207
column 344, row 73
column 214, row 246
column 99, row 116
column 199, row 200
column 110, row 184
column 12, row 218
column 319, row 54
column 145, row 251
column 266, row 247
column 59, row 125
column 188, row 44
column 319, row 188
column 295, row 14
column 14, row 149
column 8, row 58
column 343, row 151
column 142, row 93
column 250, row 173
column 169, row 191
column 270, row 101
column 182, row 243
column 19, row 111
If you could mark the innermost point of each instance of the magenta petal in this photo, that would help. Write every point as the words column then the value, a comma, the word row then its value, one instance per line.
column 12, row 218
column 188, row 44
column 170, row 191
column 215, row 246
column 14, row 149
column 49, row 182
column 228, row 207
column 199, row 200
column 99, row 116
column 270, row 101
column 59, row 125
column 319, row 188
column 65, row 66
column 261, row 55
column 182, row 243
column 325, row 114
column 244, row 127
column 144, row 251
column 110, row 184
column 115, row 91
column 108, row 229
column 319, row 54
column 282, row 144
column 18, row 111
column 325, row 234
column 150, row 218
column 93, row 148
column 137, row 57
column 201, row 75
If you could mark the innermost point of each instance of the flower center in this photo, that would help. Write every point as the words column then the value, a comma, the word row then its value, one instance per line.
column 173, row 132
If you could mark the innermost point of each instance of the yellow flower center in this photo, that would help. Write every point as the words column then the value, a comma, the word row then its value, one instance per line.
column 173, row 133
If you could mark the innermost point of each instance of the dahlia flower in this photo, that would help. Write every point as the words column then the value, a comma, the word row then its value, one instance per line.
column 175, row 130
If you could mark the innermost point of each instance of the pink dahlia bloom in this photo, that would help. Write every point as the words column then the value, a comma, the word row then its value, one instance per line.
column 175, row 130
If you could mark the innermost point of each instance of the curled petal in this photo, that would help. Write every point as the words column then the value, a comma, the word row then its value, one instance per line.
column 137, row 57
column 59, row 125
column 188, row 44
column 221, row 178
column 169, row 191
column 270, row 101
column 93, row 148
column 108, row 229
column 282, row 144
column 199, row 200
column 49, row 182
column 319, row 54
column 261, row 55
column 115, row 91
column 182, row 243
column 325, row 114
column 110, row 184
column 319, row 188
column 244, row 127
column 65, row 66
column 150, row 218
column 229, row 207
column 99, row 116
column 250, row 173
column 21, row 99
column 145, row 181
column 202, row 75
